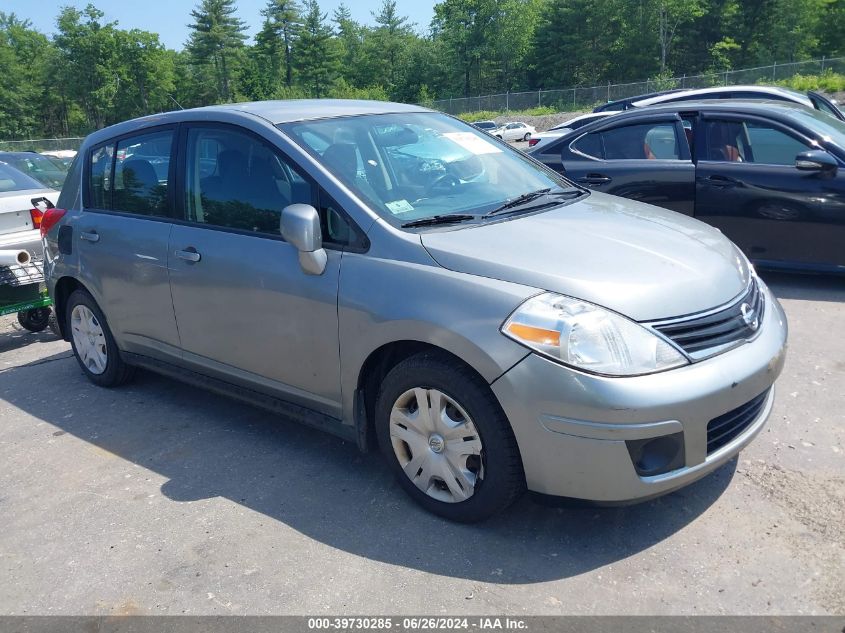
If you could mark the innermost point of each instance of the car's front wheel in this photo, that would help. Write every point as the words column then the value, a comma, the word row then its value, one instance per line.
column 447, row 439
column 93, row 343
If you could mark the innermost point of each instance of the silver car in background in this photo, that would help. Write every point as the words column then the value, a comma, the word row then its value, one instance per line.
column 399, row 278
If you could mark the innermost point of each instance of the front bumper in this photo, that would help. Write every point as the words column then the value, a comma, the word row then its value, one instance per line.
column 572, row 427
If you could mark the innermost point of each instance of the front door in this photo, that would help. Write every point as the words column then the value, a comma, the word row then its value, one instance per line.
column 246, row 311
column 747, row 185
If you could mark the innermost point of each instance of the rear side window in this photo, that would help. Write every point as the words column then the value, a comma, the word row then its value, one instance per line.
column 132, row 176
column 101, row 177
column 589, row 145
column 646, row 140
column 140, row 174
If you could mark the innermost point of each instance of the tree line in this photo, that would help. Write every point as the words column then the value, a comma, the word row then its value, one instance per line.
column 90, row 72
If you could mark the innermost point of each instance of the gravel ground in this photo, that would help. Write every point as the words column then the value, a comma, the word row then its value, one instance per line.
column 158, row 498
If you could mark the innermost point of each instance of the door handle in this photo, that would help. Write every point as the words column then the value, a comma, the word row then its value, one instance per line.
column 90, row 236
column 190, row 254
column 595, row 179
column 721, row 181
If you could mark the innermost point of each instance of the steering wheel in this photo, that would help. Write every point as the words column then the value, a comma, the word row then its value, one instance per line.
column 443, row 184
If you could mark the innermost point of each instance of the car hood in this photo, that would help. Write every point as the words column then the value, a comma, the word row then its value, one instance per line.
column 642, row 261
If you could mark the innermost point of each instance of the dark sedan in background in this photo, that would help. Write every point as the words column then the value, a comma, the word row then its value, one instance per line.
column 770, row 175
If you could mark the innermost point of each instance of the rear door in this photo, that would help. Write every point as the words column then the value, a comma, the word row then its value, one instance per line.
column 247, row 312
column 122, row 238
column 646, row 160
column 748, row 186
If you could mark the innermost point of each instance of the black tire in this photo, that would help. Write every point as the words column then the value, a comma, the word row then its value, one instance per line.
column 527, row 136
column 53, row 324
column 503, row 478
column 117, row 372
column 34, row 320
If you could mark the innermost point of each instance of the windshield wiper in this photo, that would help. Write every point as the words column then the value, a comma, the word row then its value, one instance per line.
column 439, row 219
column 525, row 198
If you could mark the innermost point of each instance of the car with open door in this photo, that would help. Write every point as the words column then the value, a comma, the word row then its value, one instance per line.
column 811, row 99
column 769, row 175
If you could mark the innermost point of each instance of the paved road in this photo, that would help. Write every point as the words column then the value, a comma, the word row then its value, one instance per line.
column 160, row 498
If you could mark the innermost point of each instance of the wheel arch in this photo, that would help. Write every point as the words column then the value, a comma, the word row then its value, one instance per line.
column 64, row 287
column 376, row 366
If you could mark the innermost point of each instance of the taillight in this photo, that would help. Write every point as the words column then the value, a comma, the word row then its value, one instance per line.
column 533, row 141
column 49, row 219
column 36, row 215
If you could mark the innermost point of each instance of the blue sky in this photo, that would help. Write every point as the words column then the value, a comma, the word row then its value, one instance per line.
column 169, row 18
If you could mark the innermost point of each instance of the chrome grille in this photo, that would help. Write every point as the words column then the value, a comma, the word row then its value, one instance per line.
column 722, row 430
column 707, row 334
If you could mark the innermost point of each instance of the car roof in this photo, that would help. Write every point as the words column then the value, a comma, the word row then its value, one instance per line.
column 786, row 93
column 772, row 109
column 275, row 112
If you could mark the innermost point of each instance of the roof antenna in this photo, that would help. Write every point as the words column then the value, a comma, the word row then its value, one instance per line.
column 176, row 102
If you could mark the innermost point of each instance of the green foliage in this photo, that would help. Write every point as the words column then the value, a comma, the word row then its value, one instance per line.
column 827, row 82
column 215, row 41
column 316, row 52
column 90, row 72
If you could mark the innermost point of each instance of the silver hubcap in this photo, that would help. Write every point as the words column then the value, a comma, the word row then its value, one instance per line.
column 88, row 339
column 437, row 444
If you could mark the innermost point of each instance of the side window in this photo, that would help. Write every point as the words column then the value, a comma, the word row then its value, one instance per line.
column 589, row 145
column 771, row 146
column 750, row 142
column 644, row 140
column 101, row 177
column 338, row 228
column 140, row 174
column 236, row 181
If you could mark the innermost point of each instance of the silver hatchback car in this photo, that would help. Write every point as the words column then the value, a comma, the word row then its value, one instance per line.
column 395, row 276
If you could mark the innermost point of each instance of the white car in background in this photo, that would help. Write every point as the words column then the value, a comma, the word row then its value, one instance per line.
column 514, row 131
column 20, row 218
column 809, row 99
column 562, row 128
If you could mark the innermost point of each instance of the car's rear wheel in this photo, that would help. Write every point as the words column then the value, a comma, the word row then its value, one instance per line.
column 93, row 343
column 527, row 136
column 447, row 439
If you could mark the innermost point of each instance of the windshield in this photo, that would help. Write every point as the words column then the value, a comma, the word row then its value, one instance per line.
column 13, row 180
column 44, row 170
column 414, row 166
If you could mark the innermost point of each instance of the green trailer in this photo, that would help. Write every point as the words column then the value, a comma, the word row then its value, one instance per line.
column 22, row 291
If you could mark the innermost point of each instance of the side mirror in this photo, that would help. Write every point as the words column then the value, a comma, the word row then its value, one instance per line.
column 300, row 225
column 816, row 160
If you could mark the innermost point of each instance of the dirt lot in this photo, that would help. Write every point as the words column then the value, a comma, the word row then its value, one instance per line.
column 160, row 498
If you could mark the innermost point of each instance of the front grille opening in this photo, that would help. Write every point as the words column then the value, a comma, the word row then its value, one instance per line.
column 728, row 426
column 712, row 332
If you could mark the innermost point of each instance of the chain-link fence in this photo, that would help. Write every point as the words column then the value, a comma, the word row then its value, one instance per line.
column 42, row 145
column 582, row 98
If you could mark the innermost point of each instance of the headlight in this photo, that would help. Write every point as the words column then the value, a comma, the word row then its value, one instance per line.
column 588, row 337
